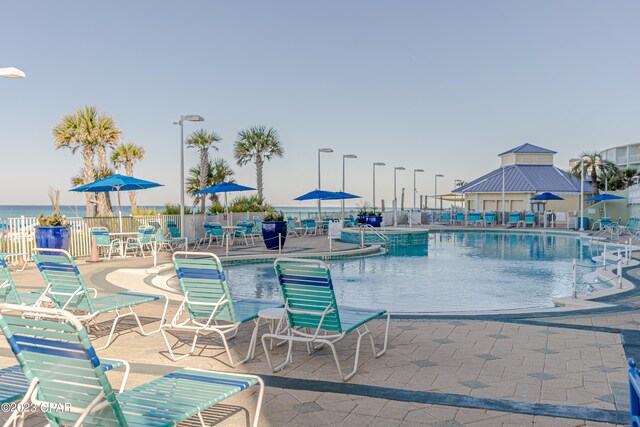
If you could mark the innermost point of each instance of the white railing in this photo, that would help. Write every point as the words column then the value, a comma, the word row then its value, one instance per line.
column 634, row 194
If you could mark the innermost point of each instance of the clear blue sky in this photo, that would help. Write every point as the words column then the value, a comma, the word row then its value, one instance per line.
column 439, row 85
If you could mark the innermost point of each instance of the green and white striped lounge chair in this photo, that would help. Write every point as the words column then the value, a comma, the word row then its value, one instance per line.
column 8, row 291
column 103, row 241
column 144, row 239
column 313, row 315
column 207, row 305
column 56, row 355
column 66, row 290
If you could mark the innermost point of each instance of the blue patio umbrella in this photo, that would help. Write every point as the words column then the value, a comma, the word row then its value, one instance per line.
column 546, row 196
column 341, row 195
column 117, row 183
column 318, row 194
column 603, row 198
column 224, row 187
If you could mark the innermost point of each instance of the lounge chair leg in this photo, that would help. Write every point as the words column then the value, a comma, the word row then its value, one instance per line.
column 162, row 319
column 267, row 353
column 173, row 356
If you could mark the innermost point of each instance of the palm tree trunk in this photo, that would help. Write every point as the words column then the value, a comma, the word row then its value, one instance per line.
column 259, row 163
column 204, row 173
column 103, row 205
column 594, row 179
column 128, row 168
column 87, row 155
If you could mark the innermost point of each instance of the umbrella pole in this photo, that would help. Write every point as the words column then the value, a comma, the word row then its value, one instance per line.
column 119, row 211
column 226, row 208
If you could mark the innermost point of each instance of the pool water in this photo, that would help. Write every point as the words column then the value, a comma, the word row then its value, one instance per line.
column 463, row 271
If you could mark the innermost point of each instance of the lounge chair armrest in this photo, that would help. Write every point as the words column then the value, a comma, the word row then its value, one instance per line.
column 127, row 369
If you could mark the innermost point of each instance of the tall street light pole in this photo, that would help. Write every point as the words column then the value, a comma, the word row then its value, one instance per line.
column 582, row 194
column 415, row 190
column 436, row 191
column 395, row 199
column 188, row 118
column 320, row 151
column 374, row 182
column 345, row 156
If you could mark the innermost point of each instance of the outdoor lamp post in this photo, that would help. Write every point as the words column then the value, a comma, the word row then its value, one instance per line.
column 12, row 73
column 415, row 190
column 188, row 118
column 395, row 199
column 374, row 182
column 456, row 183
column 345, row 156
column 582, row 194
column 320, row 151
column 436, row 191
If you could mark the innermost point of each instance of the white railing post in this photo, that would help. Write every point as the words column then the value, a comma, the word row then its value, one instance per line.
column 575, row 278
column 619, row 269
column 279, row 243
column 361, row 237
column 627, row 251
column 604, row 257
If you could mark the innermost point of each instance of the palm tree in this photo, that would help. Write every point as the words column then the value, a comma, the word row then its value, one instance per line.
column 107, row 135
column 79, row 179
column 219, row 171
column 202, row 141
column 593, row 162
column 127, row 155
column 86, row 130
column 257, row 144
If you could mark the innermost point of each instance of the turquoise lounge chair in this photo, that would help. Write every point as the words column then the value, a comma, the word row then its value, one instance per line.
column 292, row 228
column 214, row 232
column 489, row 218
column 459, row 218
column 103, row 241
column 446, row 217
column 77, row 392
column 529, row 219
column 66, row 290
column 474, row 218
column 174, row 235
column 142, row 241
column 207, row 305
column 314, row 317
column 8, row 291
column 514, row 219
column 309, row 226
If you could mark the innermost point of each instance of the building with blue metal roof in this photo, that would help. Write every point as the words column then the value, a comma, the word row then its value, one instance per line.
column 524, row 171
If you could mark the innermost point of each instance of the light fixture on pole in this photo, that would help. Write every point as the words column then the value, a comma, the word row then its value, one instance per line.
column 345, row 156
column 374, row 182
column 582, row 194
column 503, row 209
column 320, row 151
column 436, row 191
column 395, row 199
column 188, row 118
column 12, row 73
column 415, row 190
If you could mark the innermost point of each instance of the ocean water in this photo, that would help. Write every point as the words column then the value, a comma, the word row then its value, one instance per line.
column 16, row 211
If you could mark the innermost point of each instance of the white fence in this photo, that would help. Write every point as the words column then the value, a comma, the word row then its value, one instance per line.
column 634, row 194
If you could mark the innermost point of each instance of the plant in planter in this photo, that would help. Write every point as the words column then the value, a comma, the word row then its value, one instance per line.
column 374, row 218
column 274, row 229
column 362, row 213
column 53, row 231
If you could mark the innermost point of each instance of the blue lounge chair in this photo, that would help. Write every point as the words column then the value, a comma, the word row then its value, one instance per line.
column 142, row 241
column 459, row 218
column 214, row 232
column 292, row 228
column 309, row 226
column 207, row 305
column 313, row 315
column 174, row 235
column 446, row 217
column 474, row 218
column 77, row 391
column 489, row 218
column 66, row 290
column 529, row 219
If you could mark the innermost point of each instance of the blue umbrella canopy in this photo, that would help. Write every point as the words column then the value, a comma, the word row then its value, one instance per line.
column 318, row 194
column 341, row 195
column 604, row 197
column 546, row 196
column 224, row 187
column 116, row 182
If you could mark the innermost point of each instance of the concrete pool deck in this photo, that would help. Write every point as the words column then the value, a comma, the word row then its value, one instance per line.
column 551, row 368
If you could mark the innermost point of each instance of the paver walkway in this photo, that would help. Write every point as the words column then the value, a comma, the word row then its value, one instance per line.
column 555, row 370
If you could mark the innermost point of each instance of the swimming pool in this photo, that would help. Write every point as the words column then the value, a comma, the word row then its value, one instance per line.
column 463, row 271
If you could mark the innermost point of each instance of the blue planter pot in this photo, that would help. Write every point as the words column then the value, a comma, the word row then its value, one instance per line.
column 362, row 218
column 55, row 237
column 374, row 221
column 270, row 232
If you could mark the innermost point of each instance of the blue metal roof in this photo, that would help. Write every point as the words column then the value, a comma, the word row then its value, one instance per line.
column 526, row 179
column 528, row 149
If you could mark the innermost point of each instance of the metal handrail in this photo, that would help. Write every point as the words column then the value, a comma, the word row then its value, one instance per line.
column 384, row 238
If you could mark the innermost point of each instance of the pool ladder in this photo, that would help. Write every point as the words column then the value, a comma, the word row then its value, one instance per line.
column 367, row 227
